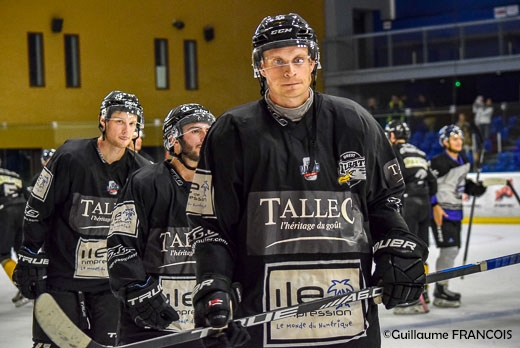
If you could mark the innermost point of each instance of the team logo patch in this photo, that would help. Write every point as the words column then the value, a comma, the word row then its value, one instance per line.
column 308, row 174
column 41, row 188
column 112, row 188
column 351, row 168
column 124, row 220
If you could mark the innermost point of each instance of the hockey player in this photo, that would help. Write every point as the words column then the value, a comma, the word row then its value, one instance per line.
column 421, row 185
column 148, row 250
column 67, row 219
column 450, row 168
column 12, row 205
column 295, row 196
column 46, row 156
column 137, row 145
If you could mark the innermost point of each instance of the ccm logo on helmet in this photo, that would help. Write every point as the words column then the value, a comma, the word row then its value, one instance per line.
column 281, row 31
column 394, row 243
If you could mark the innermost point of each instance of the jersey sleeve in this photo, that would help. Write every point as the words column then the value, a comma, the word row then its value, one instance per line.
column 216, row 199
column 50, row 189
column 127, row 236
column 385, row 185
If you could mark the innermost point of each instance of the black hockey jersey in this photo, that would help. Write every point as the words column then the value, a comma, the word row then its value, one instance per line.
column 11, row 186
column 69, row 211
column 148, row 237
column 300, row 205
column 418, row 177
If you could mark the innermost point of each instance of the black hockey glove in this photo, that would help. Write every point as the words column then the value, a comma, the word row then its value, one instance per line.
column 214, row 299
column 400, row 269
column 30, row 274
column 148, row 305
column 474, row 189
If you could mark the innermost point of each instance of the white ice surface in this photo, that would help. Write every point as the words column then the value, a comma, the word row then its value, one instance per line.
column 490, row 302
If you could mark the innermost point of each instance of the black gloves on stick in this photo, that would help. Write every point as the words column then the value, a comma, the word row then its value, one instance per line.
column 30, row 274
column 148, row 305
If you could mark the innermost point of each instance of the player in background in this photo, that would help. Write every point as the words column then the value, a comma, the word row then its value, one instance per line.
column 137, row 145
column 12, row 205
column 421, row 185
column 67, row 219
column 450, row 168
column 148, row 252
column 46, row 156
column 295, row 196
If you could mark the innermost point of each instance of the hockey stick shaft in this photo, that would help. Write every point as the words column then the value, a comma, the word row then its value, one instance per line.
column 66, row 334
column 510, row 184
column 470, row 224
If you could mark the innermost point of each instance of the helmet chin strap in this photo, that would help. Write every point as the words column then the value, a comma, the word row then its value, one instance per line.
column 179, row 157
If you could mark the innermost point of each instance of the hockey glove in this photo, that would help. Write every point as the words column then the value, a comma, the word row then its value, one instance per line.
column 214, row 299
column 30, row 274
column 475, row 189
column 148, row 305
column 400, row 269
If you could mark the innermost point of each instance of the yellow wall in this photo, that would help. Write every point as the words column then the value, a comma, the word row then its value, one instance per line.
column 116, row 39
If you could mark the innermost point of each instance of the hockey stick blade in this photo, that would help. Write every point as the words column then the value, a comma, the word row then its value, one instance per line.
column 494, row 181
column 65, row 334
column 501, row 181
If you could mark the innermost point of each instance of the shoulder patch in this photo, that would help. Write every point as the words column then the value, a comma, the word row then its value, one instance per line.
column 351, row 168
column 200, row 201
column 124, row 220
column 42, row 185
column 393, row 174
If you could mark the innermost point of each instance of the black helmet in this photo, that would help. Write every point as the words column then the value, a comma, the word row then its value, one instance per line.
column 179, row 117
column 46, row 155
column 447, row 131
column 282, row 31
column 399, row 128
column 121, row 101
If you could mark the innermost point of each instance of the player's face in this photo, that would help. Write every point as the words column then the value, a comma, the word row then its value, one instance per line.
column 192, row 139
column 120, row 128
column 138, row 143
column 288, row 73
column 454, row 143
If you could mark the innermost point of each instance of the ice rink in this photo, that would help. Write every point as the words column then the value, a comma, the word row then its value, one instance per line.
column 490, row 303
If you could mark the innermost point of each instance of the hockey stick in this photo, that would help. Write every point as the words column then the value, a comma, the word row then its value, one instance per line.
column 501, row 181
column 510, row 184
column 66, row 334
column 479, row 169
column 494, row 181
